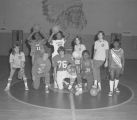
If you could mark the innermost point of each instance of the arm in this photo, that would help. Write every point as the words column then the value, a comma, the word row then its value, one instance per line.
column 50, row 38
column 11, row 61
column 30, row 36
column 123, row 61
column 107, row 52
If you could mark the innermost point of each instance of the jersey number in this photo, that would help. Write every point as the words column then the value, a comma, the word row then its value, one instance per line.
column 62, row 64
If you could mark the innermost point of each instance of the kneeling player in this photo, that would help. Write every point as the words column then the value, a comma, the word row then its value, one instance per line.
column 41, row 68
column 87, row 68
column 72, row 75
column 60, row 63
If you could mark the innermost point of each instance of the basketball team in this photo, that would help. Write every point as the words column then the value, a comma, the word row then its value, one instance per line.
column 73, row 71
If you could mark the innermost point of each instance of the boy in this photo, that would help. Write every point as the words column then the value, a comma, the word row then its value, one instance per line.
column 60, row 63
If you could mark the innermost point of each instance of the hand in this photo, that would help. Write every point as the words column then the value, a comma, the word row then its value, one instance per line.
column 122, row 70
column 106, row 64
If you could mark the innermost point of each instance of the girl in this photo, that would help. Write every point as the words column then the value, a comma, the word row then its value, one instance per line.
column 57, row 39
column 36, row 40
column 100, row 57
column 17, row 61
column 87, row 68
column 41, row 68
column 77, row 54
column 116, row 66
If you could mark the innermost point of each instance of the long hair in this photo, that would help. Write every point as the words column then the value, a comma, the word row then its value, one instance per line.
column 13, row 49
column 55, row 36
column 96, row 36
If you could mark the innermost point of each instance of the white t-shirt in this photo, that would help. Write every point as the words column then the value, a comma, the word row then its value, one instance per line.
column 17, row 59
column 100, row 47
column 56, row 44
column 79, row 49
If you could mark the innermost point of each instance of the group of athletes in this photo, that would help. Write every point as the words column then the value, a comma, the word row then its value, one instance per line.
column 69, row 71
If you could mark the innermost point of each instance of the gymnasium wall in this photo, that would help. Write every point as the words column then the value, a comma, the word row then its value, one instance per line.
column 108, row 15
column 129, row 43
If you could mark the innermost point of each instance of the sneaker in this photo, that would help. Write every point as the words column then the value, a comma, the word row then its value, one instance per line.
column 110, row 93
column 117, row 90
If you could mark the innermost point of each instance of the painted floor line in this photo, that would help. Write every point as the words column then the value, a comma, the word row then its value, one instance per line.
column 72, row 105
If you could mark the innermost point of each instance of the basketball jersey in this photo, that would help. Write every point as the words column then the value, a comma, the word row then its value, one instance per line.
column 116, row 56
column 62, row 63
column 57, row 44
column 17, row 59
column 36, row 46
column 86, row 66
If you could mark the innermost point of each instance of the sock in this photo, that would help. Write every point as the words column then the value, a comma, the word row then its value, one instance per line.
column 25, row 82
column 9, row 82
column 95, row 82
column 111, row 84
column 116, row 83
column 99, row 85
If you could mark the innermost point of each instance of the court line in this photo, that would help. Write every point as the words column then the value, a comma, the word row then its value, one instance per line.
column 72, row 105
column 102, row 108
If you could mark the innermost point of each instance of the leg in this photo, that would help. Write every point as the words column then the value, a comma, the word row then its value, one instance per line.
column 61, row 75
column 89, row 80
column 111, row 81
column 96, row 73
column 25, row 80
column 47, row 82
column 10, row 78
column 118, row 71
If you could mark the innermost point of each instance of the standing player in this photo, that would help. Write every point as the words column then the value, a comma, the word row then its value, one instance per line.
column 87, row 68
column 101, row 48
column 36, row 41
column 116, row 66
column 17, row 61
column 57, row 40
column 60, row 63
column 77, row 53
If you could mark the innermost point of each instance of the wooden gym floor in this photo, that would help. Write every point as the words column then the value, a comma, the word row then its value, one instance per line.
column 18, row 104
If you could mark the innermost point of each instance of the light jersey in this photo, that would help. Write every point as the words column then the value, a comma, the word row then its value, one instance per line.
column 116, row 56
column 42, row 66
column 86, row 66
column 17, row 59
column 79, row 49
column 36, row 46
column 100, row 47
column 56, row 44
column 62, row 63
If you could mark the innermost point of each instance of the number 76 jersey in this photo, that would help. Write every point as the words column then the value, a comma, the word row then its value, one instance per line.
column 62, row 63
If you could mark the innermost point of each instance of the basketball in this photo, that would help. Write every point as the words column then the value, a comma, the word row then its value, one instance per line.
column 55, row 29
column 94, row 91
column 36, row 27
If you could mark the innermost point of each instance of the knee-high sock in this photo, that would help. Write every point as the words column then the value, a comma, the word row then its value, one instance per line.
column 95, row 82
column 116, row 83
column 111, row 85
column 25, row 82
column 9, row 82
column 99, row 85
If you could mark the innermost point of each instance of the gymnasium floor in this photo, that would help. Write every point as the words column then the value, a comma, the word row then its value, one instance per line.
column 18, row 104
